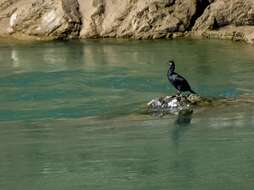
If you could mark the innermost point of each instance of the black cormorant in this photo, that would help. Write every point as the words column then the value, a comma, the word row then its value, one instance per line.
column 179, row 82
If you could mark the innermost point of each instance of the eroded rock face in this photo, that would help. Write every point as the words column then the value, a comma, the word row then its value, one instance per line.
column 40, row 19
column 144, row 19
column 227, row 20
column 139, row 19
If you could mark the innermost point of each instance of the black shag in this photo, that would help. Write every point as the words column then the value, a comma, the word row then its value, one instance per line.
column 179, row 82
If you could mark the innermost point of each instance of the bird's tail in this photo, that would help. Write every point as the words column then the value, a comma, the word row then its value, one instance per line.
column 192, row 91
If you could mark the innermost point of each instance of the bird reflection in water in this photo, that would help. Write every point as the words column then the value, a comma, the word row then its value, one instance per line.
column 182, row 124
column 184, row 118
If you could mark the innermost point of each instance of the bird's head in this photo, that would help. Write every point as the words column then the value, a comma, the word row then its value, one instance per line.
column 171, row 65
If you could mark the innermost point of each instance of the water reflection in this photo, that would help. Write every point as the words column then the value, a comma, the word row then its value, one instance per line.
column 71, row 115
column 127, row 71
column 182, row 124
column 184, row 118
column 40, row 57
column 15, row 58
column 87, row 55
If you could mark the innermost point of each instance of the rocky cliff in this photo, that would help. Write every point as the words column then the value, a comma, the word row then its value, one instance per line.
column 39, row 19
column 227, row 19
column 139, row 19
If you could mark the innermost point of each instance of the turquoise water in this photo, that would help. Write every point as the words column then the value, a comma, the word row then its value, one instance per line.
column 72, row 116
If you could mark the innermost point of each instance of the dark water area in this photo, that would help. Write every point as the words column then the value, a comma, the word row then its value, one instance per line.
column 72, row 116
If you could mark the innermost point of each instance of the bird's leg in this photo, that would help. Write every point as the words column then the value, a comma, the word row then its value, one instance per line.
column 178, row 93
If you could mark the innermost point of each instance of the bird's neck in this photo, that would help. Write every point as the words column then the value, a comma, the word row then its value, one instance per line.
column 170, row 72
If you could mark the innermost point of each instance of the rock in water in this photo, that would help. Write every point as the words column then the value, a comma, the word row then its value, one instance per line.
column 176, row 104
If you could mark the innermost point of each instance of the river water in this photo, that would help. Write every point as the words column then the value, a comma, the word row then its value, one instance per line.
column 72, row 116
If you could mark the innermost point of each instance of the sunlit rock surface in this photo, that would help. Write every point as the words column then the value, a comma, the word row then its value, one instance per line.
column 39, row 19
column 138, row 19
column 232, row 20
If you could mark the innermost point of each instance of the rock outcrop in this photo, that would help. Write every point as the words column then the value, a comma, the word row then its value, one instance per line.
column 177, row 104
column 139, row 19
column 39, row 19
column 187, row 104
column 223, row 19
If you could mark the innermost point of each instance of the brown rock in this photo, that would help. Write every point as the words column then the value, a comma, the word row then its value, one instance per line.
column 222, row 13
column 249, row 37
column 227, row 20
column 141, row 19
column 40, row 19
